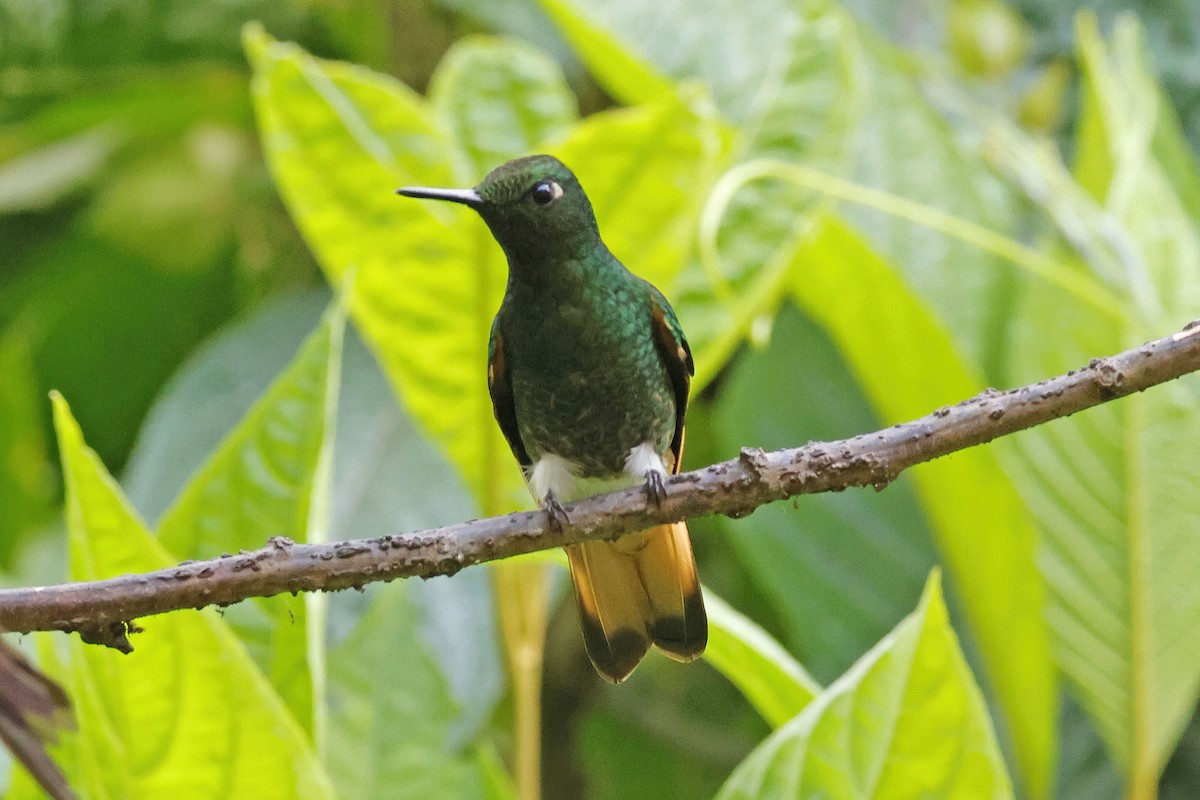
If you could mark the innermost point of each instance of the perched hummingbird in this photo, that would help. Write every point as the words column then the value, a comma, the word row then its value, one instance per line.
column 588, row 371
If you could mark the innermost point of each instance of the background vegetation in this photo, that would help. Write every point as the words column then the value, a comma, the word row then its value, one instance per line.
column 861, row 211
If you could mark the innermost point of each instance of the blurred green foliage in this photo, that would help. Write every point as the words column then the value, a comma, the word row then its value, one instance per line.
column 862, row 211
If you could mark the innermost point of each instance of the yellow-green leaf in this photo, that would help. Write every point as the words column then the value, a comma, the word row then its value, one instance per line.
column 268, row 477
column 907, row 720
column 502, row 98
column 907, row 366
column 774, row 682
column 187, row 714
column 647, row 170
column 427, row 278
column 630, row 78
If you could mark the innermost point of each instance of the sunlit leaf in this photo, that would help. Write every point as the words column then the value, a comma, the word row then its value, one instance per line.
column 627, row 76
column 774, row 683
column 187, row 714
column 647, row 171
column 731, row 46
column 907, row 365
column 502, row 98
column 268, row 478
column 836, row 571
column 907, row 720
column 1111, row 488
column 340, row 139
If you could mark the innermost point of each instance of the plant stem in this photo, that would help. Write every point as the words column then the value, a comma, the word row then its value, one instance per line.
column 521, row 595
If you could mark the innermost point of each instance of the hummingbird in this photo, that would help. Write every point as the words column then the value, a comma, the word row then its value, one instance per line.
column 588, row 371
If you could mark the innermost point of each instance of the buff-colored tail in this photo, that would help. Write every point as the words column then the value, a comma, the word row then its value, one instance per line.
column 639, row 589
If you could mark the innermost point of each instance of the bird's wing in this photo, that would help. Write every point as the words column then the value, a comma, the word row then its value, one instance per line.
column 500, row 388
column 677, row 356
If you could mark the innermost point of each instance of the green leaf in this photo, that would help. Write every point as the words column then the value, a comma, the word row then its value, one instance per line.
column 1117, row 163
column 837, row 571
column 429, row 277
column 187, row 714
column 774, row 683
column 979, row 522
column 261, row 479
column 732, row 47
column 269, row 478
column 25, row 477
column 210, row 394
column 502, row 98
column 1112, row 488
column 628, row 77
column 805, row 111
column 906, row 720
column 339, row 140
column 647, row 171
column 389, row 738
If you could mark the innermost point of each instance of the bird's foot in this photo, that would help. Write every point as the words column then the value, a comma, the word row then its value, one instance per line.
column 557, row 515
column 656, row 487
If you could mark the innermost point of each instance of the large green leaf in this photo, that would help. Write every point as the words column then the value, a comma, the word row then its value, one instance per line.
column 502, row 98
column 774, row 683
column 646, row 171
column 733, row 47
column 907, row 365
column 837, row 571
column 187, row 714
column 339, row 140
column 627, row 76
column 907, row 720
column 269, row 478
column 428, row 278
column 1112, row 488
column 395, row 738
column 211, row 392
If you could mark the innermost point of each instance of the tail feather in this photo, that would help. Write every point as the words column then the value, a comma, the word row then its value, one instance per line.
column 668, row 572
column 612, row 608
column 640, row 589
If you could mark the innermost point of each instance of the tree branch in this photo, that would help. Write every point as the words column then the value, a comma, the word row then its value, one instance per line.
column 102, row 611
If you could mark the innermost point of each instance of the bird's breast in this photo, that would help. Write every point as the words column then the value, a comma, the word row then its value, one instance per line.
column 589, row 391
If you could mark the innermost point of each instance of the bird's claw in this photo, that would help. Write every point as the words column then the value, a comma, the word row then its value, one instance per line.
column 656, row 488
column 557, row 515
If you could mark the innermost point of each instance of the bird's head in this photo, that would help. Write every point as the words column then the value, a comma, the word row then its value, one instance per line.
column 534, row 206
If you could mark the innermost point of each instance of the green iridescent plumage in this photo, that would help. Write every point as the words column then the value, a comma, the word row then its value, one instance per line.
column 589, row 370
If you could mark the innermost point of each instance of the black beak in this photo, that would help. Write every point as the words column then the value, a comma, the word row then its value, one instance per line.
column 468, row 197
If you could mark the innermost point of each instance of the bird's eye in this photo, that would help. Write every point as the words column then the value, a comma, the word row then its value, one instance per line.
column 546, row 193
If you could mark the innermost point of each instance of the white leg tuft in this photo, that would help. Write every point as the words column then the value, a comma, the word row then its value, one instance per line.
column 552, row 474
column 643, row 460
